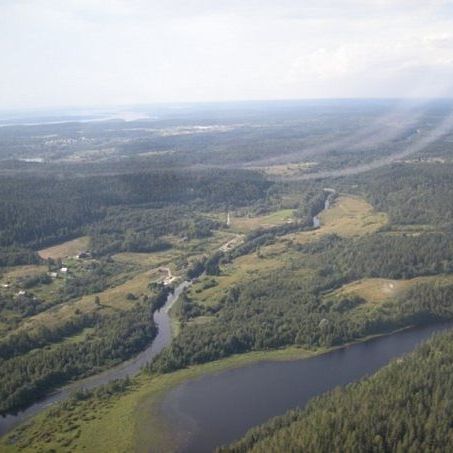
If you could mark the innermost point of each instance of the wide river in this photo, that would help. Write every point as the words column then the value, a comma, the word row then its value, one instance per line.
column 217, row 409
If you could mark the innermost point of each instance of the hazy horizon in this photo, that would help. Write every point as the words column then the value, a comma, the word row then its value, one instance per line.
column 100, row 53
column 77, row 109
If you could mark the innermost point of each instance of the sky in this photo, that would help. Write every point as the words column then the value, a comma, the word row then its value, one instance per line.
column 56, row 53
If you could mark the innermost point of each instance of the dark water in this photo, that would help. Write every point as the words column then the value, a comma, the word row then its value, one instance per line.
column 128, row 368
column 218, row 409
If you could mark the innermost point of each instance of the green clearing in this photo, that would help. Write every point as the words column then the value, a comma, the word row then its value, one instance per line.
column 377, row 291
column 13, row 273
column 381, row 294
column 246, row 224
column 179, row 254
column 65, row 249
column 287, row 170
column 349, row 216
column 209, row 289
column 112, row 299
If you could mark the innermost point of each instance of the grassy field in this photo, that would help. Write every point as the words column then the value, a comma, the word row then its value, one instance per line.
column 349, row 216
column 176, row 257
column 65, row 249
column 375, row 290
column 378, row 292
column 139, row 270
column 209, row 289
column 286, row 170
column 13, row 273
column 246, row 224
column 112, row 299
column 147, row 259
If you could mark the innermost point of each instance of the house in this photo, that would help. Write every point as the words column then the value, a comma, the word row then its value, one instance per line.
column 5, row 285
column 84, row 255
column 53, row 274
column 21, row 293
column 64, row 270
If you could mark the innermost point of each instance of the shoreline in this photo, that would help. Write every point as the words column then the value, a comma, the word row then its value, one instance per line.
column 148, row 409
column 136, row 414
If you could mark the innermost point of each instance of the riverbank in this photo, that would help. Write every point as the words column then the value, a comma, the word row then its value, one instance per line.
column 128, row 368
column 130, row 420
column 151, row 428
column 133, row 420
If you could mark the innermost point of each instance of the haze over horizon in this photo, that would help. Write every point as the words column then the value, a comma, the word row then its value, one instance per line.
column 103, row 53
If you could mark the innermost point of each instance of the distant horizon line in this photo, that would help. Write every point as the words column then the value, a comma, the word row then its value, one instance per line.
column 182, row 104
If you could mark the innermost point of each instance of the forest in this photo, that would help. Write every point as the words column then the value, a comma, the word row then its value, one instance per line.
column 38, row 211
column 404, row 407
column 250, row 319
column 281, row 309
column 29, row 371
column 229, row 204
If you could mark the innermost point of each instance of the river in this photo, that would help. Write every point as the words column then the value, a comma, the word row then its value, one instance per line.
column 316, row 218
column 124, row 369
column 218, row 409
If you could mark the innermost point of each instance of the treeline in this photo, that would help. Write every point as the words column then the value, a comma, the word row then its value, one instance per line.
column 139, row 229
column 404, row 407
column 280, row 309
column 37, row 211
column 410, row 194
column 16, row 256
column 23, row 341
column 26, row 378
column 385, row 255
column 115, row 337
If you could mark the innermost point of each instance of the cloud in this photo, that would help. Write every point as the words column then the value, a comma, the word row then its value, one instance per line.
column 137, row 51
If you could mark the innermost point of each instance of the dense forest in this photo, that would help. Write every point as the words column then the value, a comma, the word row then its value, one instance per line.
column 404, row 407
column 37, row 211
column 412, row 194
column 249, row 318
column 382, row 255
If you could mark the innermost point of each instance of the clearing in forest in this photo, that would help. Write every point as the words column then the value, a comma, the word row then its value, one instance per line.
column 247, row 224
column 68, row 248
column 379, row 290
column 349, row 216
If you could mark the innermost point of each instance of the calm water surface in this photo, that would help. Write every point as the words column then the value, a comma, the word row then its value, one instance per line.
column 218, row 409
